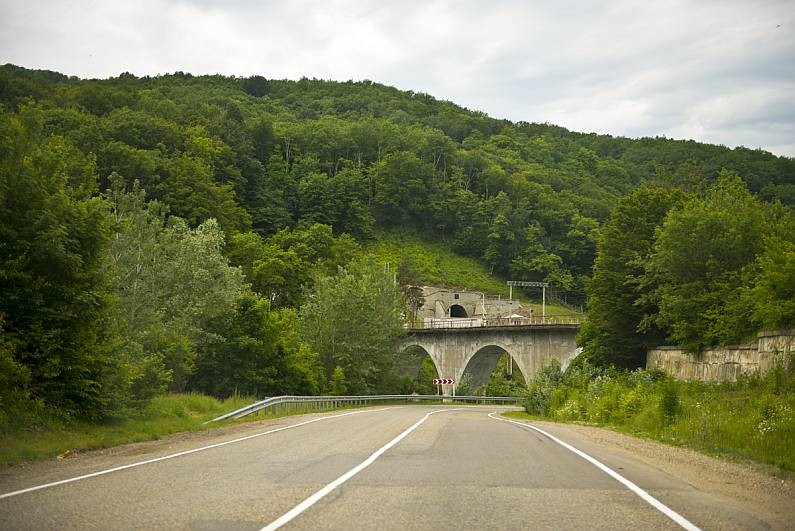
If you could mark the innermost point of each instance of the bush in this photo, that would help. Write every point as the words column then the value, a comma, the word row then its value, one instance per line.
column 669, row 403
column 541, row 388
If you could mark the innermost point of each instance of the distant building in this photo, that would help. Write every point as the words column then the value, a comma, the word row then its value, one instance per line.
column 442, row 303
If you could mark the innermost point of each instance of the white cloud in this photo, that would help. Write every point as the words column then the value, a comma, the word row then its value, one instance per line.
column 717, row 71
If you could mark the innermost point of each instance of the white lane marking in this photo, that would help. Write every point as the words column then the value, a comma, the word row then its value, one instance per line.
column 317, row 496
column 179, row 454
column 645, row 496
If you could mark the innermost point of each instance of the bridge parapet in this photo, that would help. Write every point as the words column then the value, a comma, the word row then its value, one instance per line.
column 455, row 323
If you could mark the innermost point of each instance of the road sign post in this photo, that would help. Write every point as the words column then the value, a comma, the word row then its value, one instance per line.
column 439, row 382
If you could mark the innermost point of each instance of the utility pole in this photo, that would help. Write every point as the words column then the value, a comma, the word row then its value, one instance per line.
column 542, row 285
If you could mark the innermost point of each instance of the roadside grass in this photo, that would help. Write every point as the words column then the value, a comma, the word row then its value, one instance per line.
column 45, row 437
column 751, row 419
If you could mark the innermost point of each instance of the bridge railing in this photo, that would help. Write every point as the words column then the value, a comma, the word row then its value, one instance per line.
column 436, row 324
column 293, row 404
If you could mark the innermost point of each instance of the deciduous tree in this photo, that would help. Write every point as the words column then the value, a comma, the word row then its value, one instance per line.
column 352, row 319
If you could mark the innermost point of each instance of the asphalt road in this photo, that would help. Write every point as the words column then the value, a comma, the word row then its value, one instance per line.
column 458, row 469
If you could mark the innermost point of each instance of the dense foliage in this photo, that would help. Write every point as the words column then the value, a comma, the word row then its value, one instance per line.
column 698, row 270
column 166, row 233
column 616, row 292
column 268, row 154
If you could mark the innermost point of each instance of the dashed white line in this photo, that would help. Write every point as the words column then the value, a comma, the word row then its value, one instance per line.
column 179, row 454
column 645, row 496
column 317, row 496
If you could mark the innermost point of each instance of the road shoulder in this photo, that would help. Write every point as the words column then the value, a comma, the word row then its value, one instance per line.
column 753, row 488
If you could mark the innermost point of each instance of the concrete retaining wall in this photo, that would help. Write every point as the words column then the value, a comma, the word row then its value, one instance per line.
column 726, row 363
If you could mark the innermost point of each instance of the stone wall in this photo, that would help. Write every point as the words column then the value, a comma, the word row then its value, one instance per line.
column 725, row 363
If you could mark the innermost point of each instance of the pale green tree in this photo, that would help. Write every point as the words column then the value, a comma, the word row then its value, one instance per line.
column 352, row 319
column 170, row 281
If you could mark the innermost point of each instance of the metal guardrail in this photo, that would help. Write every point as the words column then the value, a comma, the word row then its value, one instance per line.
column 442, row 324
column 290, row 404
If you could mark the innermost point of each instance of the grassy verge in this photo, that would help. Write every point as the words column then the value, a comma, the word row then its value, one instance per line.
column 50, row 437
column 751, row 419
column 43, row 438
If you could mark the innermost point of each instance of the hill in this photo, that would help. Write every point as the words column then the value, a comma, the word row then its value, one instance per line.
column 526, row 199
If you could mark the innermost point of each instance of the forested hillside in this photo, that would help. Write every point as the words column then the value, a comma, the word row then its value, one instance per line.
column 265, row 154
column 160, row 233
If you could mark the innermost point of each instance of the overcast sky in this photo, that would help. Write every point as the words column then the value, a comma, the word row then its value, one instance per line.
column 715, row 71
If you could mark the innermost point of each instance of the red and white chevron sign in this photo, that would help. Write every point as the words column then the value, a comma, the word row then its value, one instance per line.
column 443, row 381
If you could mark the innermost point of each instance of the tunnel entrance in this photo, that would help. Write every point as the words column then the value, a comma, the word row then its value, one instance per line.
column 456, row 310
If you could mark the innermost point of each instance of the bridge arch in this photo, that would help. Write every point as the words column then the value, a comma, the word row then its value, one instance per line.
column 412, row 354
column 481, row 363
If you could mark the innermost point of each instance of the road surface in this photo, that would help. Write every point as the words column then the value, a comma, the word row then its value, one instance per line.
column 411, row 467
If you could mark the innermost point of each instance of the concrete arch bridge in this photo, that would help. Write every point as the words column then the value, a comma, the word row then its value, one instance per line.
column 473, row 346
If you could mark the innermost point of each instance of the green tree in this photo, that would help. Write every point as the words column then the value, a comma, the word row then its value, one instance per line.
column 613, row 333
column 14, row 383
column 352, row 319
column 426, row 374
column 170, row 281
column 772, row 298
column 338, row 387
column 503, row 384
column 271, row 198
column 703, row 260
column 535, row 262
column 400, row 185
column 281, row 266
column 253, row 351
column 339, row 201
column 281, row 275
column 256, row 86
column 500, row 243
column 188, row 189
column 54, row 293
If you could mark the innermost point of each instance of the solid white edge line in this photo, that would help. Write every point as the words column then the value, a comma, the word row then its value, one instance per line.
column 179, row 454
column 317, row 496
column 645, row 496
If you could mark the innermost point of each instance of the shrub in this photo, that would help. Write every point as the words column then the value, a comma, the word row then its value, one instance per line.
column 541, row 388
column 669, row 402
